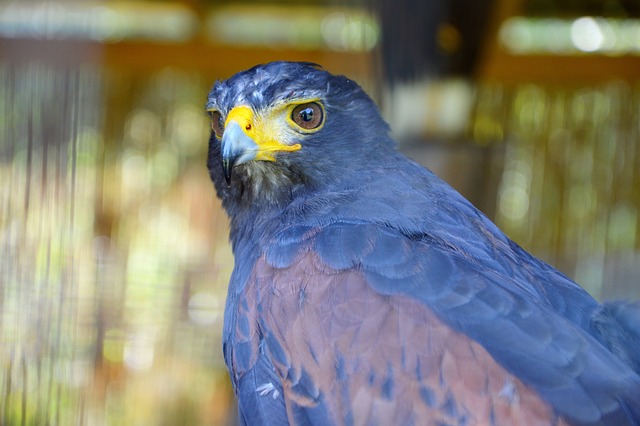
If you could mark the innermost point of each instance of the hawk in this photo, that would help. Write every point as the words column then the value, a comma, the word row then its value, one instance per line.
column 367, row 291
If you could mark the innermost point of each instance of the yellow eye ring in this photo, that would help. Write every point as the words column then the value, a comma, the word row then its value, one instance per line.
column 307, row 117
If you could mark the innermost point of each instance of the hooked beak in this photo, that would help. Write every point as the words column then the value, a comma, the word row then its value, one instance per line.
column 237, row 148
column 245, row 139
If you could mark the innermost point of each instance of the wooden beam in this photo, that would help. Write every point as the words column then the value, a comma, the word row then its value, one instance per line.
column 218, row 60
column 507, row 68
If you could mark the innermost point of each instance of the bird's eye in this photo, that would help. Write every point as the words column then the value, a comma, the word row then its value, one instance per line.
column 309, row 116
column 217, row 123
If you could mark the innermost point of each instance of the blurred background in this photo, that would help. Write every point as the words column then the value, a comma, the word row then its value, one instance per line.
column 114, row 258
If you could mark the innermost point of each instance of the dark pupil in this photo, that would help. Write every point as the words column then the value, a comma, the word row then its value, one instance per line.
column 306, row 114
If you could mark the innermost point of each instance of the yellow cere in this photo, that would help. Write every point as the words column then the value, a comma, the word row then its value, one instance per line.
column 269, row 130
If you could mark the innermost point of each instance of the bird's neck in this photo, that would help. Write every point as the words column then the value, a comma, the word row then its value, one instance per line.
column 256, row 198
column 264, row 197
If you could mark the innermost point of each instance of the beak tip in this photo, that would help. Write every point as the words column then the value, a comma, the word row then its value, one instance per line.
column 227, row 168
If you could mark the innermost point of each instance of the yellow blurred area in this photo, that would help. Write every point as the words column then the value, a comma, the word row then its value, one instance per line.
column 114, row 258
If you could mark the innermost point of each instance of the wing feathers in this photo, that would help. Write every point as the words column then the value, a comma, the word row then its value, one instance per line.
column 382, row 358
column 365, row 294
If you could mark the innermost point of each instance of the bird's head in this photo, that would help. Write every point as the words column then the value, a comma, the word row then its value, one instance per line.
column 288, row 127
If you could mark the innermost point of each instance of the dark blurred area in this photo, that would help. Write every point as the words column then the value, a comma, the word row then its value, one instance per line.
column 113, row 248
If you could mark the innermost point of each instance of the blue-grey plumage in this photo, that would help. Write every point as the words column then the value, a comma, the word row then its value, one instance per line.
column 367, row 291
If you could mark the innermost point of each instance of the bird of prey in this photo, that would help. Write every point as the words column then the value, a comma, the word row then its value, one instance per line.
column 367, row 291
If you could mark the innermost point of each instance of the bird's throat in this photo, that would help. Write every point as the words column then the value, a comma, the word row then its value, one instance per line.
column 260, row 184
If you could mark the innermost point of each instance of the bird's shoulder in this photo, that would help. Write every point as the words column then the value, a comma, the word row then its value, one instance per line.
column 341, row 348
column 534, row 343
